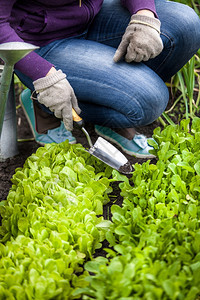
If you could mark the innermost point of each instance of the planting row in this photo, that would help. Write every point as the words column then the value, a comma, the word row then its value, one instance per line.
column 51, row 223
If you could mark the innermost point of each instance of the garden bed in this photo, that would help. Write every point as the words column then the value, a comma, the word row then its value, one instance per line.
column 65, row 206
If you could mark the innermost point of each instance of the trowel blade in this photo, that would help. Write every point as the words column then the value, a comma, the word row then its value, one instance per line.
column 110, row 155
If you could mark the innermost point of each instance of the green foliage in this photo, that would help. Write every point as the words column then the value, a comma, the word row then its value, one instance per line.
column 51, row 223
column 156, row 233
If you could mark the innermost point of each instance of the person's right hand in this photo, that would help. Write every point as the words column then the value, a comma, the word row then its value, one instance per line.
column 55, row 92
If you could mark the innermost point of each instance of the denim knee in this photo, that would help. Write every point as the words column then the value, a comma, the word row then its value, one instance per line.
column 185, row 27
column 151, row 104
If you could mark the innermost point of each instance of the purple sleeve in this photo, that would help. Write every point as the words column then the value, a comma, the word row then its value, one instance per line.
column 135, row 5
column 34, row 66
column 7, row 34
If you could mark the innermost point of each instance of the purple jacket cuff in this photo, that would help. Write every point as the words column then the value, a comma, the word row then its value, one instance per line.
column 135, row 5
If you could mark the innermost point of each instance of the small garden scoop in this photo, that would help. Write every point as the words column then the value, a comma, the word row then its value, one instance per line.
column 103, row 150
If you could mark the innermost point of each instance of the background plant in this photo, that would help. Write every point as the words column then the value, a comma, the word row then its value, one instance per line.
column 184, row 86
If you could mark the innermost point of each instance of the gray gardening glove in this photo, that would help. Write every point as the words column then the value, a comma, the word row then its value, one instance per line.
column 55, row 92
column 141, row 40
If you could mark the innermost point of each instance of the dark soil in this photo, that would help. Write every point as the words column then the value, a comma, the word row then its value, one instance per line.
column 7, row 168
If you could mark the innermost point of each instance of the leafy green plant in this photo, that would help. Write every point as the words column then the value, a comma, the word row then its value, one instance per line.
column 186, row 82
column 52, row 223
column 155, row 235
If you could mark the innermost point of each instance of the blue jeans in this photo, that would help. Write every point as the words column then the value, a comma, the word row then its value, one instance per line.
column 121, row 94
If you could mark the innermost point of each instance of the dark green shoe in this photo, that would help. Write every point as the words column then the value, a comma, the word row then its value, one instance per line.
column 56, row 135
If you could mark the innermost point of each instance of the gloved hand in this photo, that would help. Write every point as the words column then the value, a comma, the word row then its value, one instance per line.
column 141, row 40
column 55, row 92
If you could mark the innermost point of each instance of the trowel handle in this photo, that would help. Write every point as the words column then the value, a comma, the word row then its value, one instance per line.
column 77, row 119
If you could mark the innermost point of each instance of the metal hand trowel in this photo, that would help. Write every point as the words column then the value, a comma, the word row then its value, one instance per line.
column 103, row 150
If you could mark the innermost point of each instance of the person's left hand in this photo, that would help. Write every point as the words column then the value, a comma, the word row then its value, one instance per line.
column 141, row 40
